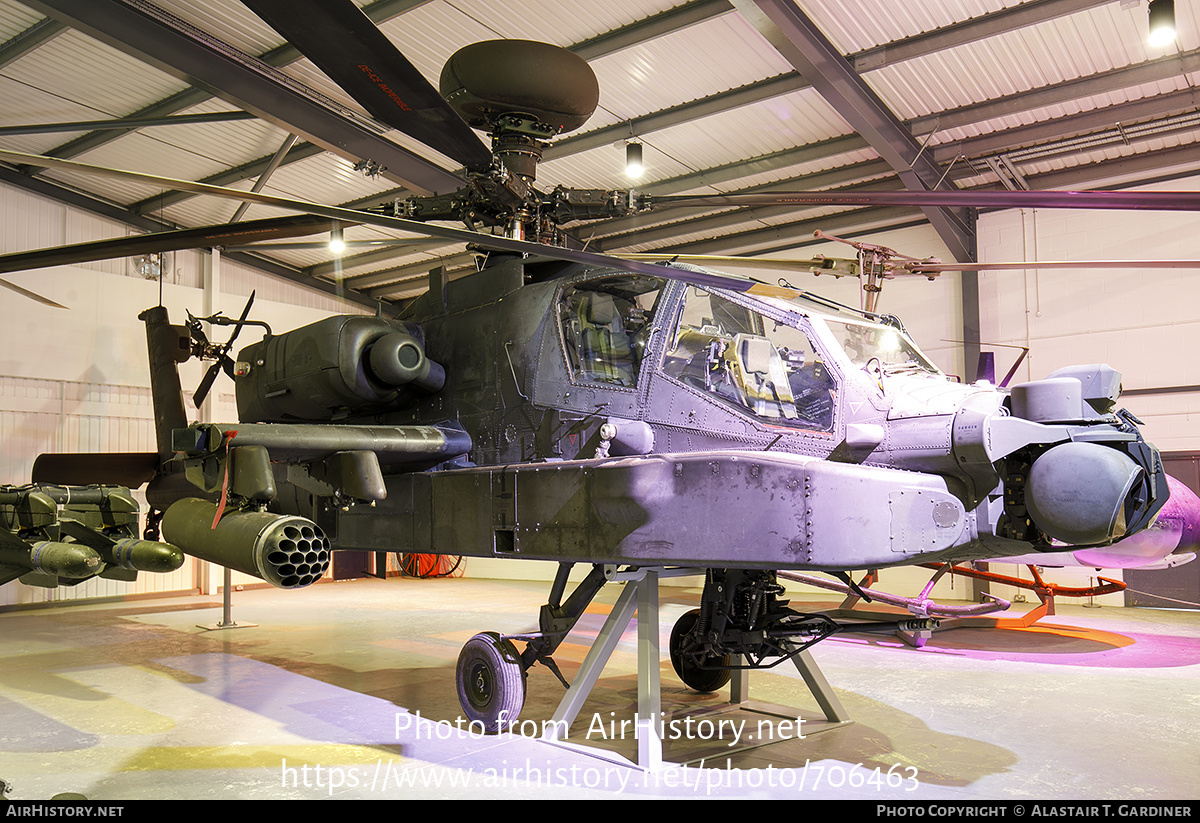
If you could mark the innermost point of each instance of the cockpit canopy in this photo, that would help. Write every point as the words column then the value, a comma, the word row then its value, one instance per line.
column 750, row 360
column 778, row 360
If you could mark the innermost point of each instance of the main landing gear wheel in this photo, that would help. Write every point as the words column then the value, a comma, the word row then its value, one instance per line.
column 491, row 682
column 689, row 671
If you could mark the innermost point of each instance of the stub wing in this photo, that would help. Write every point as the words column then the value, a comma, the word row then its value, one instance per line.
column 711, row 509
column 324, row 459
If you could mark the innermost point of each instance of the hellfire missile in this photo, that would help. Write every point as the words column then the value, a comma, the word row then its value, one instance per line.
column 79, row 561
column 52, row 535
column 70, row 560
column 144, row 556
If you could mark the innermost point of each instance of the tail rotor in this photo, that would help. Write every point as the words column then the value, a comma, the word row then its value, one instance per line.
column 211, row 351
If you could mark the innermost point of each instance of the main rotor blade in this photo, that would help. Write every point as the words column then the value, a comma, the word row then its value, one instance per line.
column 925, row 267
column 346, row 45
column 835, row 266
column 1132, row 200
column 706, row 279
column 32, row 295
column 272, row 228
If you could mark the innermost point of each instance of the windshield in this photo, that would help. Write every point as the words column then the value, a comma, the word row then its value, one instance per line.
column 890, row 347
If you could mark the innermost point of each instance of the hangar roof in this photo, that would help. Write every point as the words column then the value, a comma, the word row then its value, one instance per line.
column 1044, row 94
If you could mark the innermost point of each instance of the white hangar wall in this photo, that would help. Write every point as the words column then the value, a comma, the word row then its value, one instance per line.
column 1143, row 322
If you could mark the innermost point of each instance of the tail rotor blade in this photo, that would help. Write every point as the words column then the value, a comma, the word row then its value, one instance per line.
column 237, row 329
column 224, row 361
column 207, row 383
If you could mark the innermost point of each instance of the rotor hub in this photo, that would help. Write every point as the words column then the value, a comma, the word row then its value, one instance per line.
column 520, row 152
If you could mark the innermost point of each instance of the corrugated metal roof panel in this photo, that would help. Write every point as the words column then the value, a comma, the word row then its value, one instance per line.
column 232, row 23
column 680, row 66
column 572, row 21
column 857, row 25
column 1037, row 56
column 751, row 131
column 14, row 19
column 104, row 80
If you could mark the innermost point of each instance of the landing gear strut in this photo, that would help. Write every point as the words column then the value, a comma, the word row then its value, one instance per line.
column 491, row 672
column 741, row 624
column 741, row 617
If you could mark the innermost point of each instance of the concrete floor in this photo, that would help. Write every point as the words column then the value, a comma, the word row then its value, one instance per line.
column 336, row 694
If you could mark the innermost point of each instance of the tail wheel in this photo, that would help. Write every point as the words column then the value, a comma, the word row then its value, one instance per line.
column 707, row 674
column 491, row 682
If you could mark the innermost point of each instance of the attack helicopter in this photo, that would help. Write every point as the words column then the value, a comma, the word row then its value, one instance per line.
column 549, row 410
column 560, row 405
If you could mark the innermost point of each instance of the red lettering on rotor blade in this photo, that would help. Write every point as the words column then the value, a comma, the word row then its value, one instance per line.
column 384, row 87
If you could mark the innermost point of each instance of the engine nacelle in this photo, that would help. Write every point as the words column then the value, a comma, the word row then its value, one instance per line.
column 332, row 368
column 287, row 551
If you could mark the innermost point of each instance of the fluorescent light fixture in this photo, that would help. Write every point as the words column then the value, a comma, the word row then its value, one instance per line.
column 1162, row 22
column 633, row 159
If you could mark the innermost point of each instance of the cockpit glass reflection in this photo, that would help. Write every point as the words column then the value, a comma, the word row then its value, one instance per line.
column 889, row 346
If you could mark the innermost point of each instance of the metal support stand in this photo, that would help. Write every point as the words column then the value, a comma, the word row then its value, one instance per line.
column 227, row 609
column 379, row 561
column 640, row 594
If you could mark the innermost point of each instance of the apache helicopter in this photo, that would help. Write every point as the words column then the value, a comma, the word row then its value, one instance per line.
column 562, row 405
column 547, row 410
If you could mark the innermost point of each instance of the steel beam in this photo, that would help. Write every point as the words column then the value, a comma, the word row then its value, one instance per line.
column 1152, row 71
column 126, row 123
column 909, row 48
column 648, row 228
column 40, row 32
column 803, row 45
column 144, row 31
column 657, row 25
column 280, row 153
column 379, row 11
column 1029, row 13
column 229, row 177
